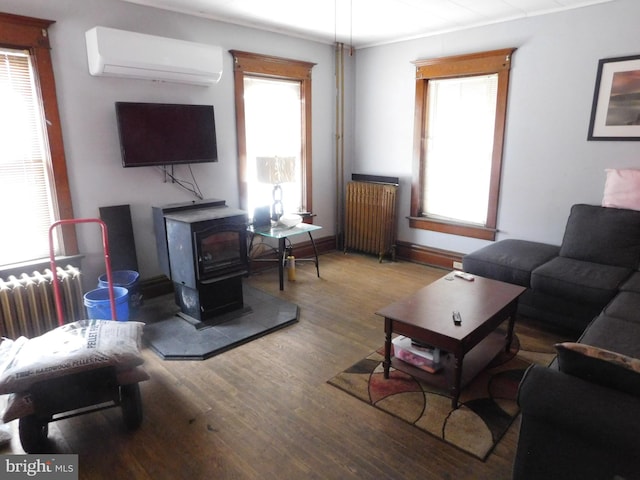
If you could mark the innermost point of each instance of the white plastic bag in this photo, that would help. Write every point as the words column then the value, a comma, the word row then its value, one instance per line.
column 71, row 348
column 18, row 405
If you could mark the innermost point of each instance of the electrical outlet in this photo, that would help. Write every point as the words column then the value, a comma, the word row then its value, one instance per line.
column 457, row 265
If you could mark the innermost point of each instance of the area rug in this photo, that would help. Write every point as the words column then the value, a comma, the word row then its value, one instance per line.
column 487, row 404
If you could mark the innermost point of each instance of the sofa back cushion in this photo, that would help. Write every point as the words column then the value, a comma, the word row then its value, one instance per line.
column 610, row 236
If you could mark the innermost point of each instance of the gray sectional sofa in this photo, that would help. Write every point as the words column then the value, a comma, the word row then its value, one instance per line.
column 580, row 415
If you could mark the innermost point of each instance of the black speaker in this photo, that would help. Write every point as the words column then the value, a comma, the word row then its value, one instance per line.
column 122, row 248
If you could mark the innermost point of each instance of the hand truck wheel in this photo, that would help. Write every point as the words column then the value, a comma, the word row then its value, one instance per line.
column 33, row 433
column 131, row 404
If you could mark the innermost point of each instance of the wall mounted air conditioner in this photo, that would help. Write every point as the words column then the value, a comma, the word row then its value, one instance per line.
column 119, row 53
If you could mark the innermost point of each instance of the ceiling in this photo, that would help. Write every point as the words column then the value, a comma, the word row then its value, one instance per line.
column 363, row 23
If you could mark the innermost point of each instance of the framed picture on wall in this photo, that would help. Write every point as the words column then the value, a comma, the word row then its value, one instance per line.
column 615, row 113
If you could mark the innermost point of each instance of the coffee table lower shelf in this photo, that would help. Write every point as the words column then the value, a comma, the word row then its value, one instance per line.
column 474, row 362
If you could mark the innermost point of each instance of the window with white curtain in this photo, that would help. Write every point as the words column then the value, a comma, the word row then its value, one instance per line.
column 459, row 147
column 34, row 184
column 27, row 203
column 460, row 117
column 273, row 123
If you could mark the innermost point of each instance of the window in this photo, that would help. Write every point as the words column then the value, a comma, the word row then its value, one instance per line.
column 274, row 139
column 459, row 130
column 33, row 177
column 273, row 115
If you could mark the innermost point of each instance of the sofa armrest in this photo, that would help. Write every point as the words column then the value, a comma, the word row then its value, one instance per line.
column 588, row 410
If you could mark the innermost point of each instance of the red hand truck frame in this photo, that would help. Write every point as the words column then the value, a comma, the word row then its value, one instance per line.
column 54, row 268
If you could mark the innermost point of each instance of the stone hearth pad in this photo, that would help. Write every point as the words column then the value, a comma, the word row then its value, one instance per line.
column 174, row 338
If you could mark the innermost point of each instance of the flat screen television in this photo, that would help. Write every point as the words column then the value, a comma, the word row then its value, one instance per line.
column 166, row 134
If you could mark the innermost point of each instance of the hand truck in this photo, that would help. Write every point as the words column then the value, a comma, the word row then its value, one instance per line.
column 83, row 392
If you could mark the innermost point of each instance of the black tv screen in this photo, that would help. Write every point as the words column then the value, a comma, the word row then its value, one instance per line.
column 166, row 134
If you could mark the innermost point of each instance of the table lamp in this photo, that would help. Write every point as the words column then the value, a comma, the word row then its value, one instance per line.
column 276, row 171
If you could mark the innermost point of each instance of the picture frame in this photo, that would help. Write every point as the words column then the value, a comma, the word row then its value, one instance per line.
column 615, row 113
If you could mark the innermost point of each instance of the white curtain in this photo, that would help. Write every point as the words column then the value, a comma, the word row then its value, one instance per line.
column 460, row 133
column 26, row 209
column 273, row 122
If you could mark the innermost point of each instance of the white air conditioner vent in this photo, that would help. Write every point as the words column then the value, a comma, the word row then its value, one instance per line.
column 119, row 53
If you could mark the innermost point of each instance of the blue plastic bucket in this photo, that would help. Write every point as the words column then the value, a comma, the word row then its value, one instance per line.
column 98, row 304
column 127, row 279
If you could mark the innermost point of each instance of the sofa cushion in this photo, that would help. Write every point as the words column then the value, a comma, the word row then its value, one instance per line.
column 610, row 236
column 625, row 305
column 578, row 280
column 601, row 366
column 632, row 284
column 510, row 260
column 560, row 313
column 612, row 333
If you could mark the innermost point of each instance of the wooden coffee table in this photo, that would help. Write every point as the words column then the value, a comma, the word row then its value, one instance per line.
column 426, row 316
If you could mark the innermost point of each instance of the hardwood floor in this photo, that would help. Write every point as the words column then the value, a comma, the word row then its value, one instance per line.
column 264, row 410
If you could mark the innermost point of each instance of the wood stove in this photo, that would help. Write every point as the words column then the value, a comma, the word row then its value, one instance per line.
column 202, row 248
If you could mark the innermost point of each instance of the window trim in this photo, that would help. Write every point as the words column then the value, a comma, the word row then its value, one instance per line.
column 27, row 33
column 254, row 64
column 495, row 61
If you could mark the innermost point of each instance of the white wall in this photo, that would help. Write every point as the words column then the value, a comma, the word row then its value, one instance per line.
column 548, row 163
column 89, row 127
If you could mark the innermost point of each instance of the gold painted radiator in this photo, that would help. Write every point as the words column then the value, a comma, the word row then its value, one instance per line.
column 27, row 304
column 370, row 218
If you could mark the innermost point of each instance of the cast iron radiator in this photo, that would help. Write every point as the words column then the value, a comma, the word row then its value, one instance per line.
column 370, row 218
column 27, row 304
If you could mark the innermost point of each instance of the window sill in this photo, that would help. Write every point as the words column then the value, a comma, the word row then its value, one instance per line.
column 39, row 265
column 462, row 229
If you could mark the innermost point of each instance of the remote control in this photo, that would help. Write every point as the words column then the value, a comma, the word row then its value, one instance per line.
column 464, row 275
column 457, row 319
